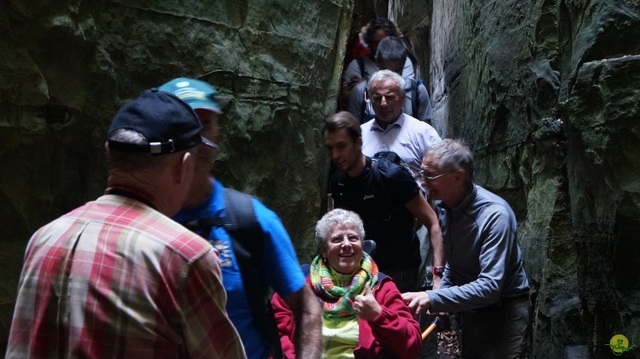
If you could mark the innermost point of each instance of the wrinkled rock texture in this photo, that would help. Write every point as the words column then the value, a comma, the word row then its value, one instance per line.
column 67, row 66
column 544, row 92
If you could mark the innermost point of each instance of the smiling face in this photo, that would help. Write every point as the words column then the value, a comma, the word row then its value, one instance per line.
column 445, row 185
column 343, row 249
column 431, row 168
column 344, row 151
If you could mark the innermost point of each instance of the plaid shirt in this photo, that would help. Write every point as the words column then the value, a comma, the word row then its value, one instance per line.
column 117, row 279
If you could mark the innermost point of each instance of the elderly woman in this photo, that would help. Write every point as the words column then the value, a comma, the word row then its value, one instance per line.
column 363, row 315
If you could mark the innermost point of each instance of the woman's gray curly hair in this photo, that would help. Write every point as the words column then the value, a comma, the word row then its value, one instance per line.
column 334, row 217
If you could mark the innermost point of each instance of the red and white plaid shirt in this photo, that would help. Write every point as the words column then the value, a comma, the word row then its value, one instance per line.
column 117, row 279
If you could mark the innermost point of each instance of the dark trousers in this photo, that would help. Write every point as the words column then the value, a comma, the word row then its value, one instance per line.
column 498, row 331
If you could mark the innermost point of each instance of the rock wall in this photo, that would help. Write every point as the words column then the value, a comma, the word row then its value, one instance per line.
column 67, row 66
column 545, row 93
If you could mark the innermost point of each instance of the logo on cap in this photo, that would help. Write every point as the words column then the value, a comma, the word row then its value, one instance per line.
column 198, row 94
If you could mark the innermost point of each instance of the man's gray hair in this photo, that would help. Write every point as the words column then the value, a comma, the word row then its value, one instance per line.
column 134, row 160
column 128, row 136
column 387, row 74
column 335, row 217
column 453, row 155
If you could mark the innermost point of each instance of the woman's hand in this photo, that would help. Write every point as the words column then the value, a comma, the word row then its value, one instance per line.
column 366, row 306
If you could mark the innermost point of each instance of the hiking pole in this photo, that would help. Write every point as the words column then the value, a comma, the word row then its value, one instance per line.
column 430, row 328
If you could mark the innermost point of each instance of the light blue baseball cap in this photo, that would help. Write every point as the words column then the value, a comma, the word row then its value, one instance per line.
column 196, row 93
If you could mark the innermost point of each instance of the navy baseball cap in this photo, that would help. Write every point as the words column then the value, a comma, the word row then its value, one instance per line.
column 168, row 124
column 196, row 93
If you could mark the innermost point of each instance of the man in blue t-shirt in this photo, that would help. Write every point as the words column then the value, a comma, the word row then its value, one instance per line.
column 387, row 201
column 280, row 265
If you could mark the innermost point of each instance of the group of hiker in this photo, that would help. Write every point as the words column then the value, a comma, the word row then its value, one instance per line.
column 168, row 263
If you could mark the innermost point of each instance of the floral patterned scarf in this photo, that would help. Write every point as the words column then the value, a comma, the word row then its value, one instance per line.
column 336, row 300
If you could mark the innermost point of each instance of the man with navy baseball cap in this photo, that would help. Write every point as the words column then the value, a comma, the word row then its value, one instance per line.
column 117, row 277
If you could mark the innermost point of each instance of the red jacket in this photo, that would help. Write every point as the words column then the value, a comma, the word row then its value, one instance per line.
column 394, row 334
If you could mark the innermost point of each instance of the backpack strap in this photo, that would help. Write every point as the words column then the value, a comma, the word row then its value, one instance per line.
column 376, row 174
column 414, row 89
column 363, row 107
column 246, row 237
column 245, row 232
column 416, row 93
column 360, row 61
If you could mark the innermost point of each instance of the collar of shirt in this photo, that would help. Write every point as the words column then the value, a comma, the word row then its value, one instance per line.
column 399, row 122
column 468, row 198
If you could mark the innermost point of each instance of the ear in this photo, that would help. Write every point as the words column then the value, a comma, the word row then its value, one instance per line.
column 459, row 175
column 323, row 251
column 359, row 143
column 183, row 171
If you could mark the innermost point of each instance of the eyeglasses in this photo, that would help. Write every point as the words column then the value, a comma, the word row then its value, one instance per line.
column 431, row 178
column 378, row 99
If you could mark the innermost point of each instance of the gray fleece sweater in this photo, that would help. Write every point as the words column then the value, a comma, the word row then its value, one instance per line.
column 484, row 262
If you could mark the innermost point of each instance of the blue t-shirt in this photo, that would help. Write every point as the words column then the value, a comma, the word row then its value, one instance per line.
column 281, row 266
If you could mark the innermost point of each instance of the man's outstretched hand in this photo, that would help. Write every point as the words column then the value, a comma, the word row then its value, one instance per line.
column 418, row 302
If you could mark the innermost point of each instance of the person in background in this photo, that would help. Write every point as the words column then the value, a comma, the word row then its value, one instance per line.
column 360, row 69
column 279, row 266
column 363, row 315
column 387, row 198
column 484, row 278
column 391, row 129
column 117, row 277
column 391, row 55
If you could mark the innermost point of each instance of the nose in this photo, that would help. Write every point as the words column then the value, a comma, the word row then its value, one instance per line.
column 345, row 241
column 334, row 155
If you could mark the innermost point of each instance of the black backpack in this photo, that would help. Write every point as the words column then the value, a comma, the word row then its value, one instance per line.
column 246, row 238
column 391, row 157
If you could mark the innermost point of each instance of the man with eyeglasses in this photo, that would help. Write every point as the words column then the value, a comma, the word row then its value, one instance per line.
column 484, row 278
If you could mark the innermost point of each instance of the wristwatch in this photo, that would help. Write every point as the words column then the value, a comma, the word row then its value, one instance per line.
column 437, row 270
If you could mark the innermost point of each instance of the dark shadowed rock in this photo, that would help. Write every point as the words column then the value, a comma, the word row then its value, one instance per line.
column 545, row 93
